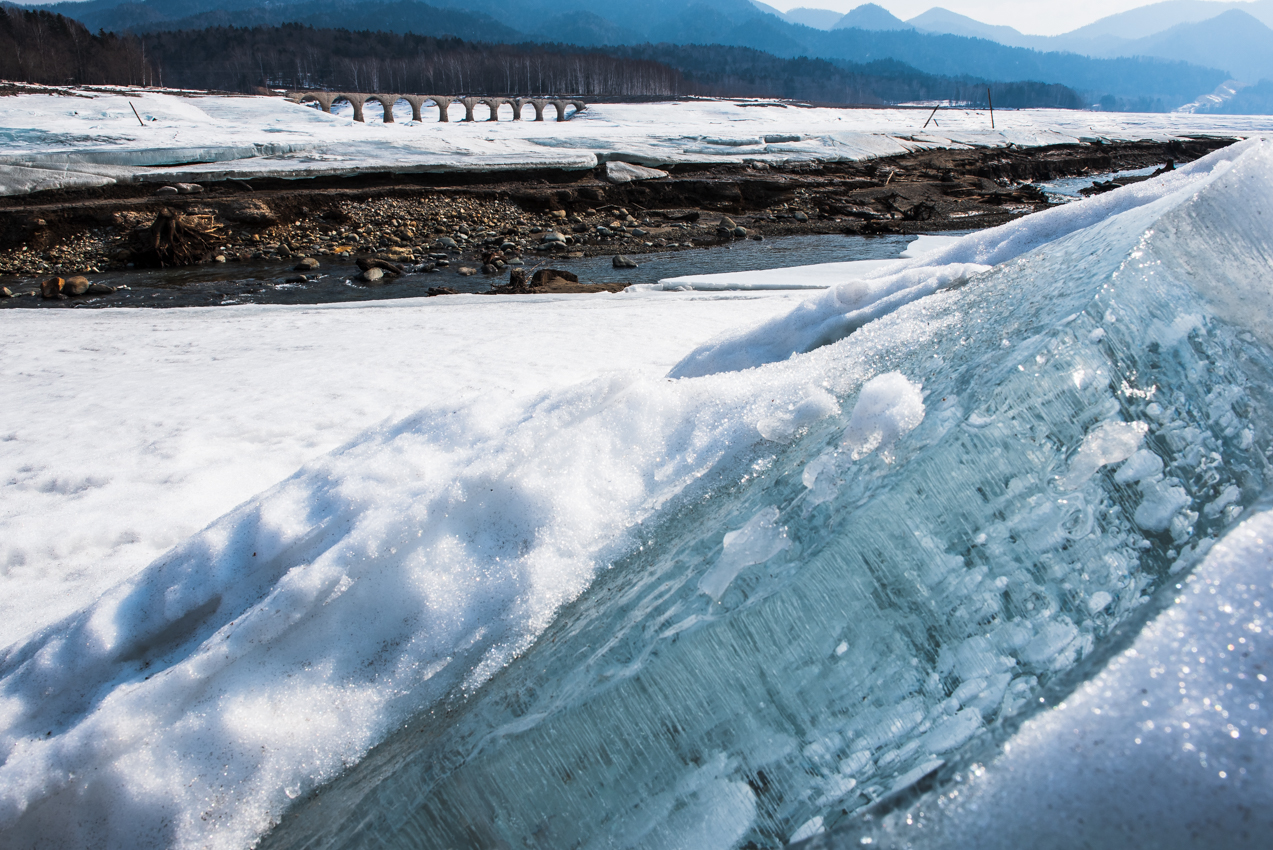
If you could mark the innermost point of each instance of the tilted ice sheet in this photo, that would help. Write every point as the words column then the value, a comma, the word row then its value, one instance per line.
column 887, row 576
column 217, row 137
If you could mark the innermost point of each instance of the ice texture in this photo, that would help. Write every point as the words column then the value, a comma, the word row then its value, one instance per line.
column 484, row 625
column 928, row 601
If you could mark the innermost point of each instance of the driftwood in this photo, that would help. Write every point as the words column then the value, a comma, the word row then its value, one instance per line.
column 174, row 239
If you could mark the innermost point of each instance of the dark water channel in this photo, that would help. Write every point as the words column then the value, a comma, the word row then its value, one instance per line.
column 264, row 282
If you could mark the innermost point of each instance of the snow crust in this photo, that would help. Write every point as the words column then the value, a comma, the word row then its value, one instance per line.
column 192, row 702
column 61, row 142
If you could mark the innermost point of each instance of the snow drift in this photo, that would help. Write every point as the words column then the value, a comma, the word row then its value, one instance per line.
column 733, row 608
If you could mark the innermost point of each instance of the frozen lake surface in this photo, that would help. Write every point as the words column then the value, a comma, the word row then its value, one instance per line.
column 96, row 140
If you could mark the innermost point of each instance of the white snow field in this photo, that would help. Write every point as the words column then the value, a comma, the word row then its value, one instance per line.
column 470, row 465
column 94, row 138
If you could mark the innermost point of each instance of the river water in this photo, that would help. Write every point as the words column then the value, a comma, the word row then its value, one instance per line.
column 264, row 282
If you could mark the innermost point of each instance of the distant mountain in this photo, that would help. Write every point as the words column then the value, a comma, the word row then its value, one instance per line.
column 1233, row 41
column 939, row 20
column 1252, row 100
column 819, row 19
column 871, row 17
column 1159, row 17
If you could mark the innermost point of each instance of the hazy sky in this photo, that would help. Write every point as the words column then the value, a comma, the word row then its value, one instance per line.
column 1035, row 17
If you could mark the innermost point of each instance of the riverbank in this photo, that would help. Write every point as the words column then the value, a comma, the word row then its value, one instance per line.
column 493, row 220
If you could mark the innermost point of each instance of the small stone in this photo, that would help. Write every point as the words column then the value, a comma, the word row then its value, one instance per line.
column 100, row 289
column 6, row 292
column 740, row 232
column 622, row 262
column 308, row 264
column 52, row 287
column 639, row 232
column 300, row 278
column 220, row 258
column 189, row 188
column 467, row 271
column 726, row 223
column 167, row 190
column 799, row 216
column 435, row 291
column 448, row 243
column 553, row 236
column 372, row 275
column 561, row 214
column 490, row 268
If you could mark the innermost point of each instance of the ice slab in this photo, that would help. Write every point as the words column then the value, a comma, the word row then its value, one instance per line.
column 824, row 621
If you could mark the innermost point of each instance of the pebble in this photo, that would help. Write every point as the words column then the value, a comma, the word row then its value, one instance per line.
column 622, row 262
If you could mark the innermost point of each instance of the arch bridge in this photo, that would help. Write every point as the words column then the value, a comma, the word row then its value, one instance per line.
column 358, row 100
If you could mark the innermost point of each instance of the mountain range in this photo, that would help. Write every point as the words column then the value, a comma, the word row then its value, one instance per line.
column 867, row 34
column 1234, row 37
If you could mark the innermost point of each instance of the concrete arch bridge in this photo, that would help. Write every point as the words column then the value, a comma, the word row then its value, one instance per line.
column 492, row 105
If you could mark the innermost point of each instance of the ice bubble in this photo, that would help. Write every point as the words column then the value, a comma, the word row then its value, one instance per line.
column 1161, row 503
column 1098, row 601
column 1109, row 442
column 809, row 829
column 888, row 408
column 1143, row 464
column 756, row 542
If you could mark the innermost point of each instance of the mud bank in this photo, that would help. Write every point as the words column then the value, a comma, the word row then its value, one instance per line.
column 490, row 219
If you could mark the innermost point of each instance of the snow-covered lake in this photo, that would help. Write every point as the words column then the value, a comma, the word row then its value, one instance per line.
column 51, row 141
column 243, row 548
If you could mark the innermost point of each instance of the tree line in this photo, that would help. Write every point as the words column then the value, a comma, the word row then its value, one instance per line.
column 48, row 49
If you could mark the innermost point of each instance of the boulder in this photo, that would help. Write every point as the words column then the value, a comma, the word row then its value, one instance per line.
column 490, row 268
column 189, row 188
column 726, row 223
column 372, row 275
column 100, row 289
column 552, row 236
column 52, row 287
column 308, row 264
column 800, row 216
column 368, row 263
column 167, row 190
column 622, row 262
column 466, row 271
column 544, row 276
column 251, row 212
column 626, row 172
column 77, row 285
column 448, row 243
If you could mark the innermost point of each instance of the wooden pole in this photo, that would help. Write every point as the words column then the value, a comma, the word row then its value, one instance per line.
column 930, row 116
column 992, row 107
column 139, row 121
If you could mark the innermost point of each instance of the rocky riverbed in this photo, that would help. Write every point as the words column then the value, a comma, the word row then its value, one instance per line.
column 496, row 222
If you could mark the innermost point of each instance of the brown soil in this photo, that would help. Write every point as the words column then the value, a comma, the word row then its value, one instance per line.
column 495, row 216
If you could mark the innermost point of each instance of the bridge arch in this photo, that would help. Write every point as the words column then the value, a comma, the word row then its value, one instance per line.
column 355, row 100
column 386, row 102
